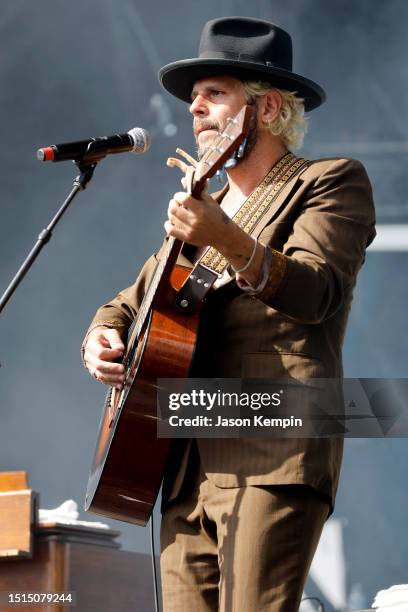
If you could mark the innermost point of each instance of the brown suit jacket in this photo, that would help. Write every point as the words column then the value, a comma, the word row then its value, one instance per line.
column 320, row 225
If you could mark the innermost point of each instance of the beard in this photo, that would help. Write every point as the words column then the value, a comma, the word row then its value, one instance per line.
column 204, row 124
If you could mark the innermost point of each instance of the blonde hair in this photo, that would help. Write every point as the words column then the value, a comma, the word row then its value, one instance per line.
column 291, row 124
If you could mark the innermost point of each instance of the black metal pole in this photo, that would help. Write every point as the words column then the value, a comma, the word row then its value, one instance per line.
column 80, row 183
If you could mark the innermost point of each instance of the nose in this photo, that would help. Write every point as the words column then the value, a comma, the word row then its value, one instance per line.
column 198, row 107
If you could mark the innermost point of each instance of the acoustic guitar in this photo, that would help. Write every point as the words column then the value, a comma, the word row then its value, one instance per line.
column 129, row 459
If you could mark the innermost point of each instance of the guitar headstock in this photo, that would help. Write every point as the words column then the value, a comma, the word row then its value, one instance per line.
column 223, row 147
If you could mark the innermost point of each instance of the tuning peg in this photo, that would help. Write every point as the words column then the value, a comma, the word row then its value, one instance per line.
column 231, row 162
column 242, row 147
column 220, row 174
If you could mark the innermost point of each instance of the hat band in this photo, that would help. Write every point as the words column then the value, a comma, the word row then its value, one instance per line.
column 240, row 57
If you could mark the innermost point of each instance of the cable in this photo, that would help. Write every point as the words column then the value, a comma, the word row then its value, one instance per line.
column 156, row 595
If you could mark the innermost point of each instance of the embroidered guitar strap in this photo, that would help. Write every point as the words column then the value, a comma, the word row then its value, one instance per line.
column 212, row 264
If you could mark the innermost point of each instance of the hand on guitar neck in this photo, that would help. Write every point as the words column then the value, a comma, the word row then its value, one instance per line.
column 102, row 349
column 203, row 222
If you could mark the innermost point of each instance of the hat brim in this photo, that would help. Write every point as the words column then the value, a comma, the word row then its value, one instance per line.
column 179, row 77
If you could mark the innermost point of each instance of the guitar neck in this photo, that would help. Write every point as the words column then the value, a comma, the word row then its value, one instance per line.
column 160, row 279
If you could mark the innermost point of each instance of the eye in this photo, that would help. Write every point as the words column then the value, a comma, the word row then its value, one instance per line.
column 216, row 93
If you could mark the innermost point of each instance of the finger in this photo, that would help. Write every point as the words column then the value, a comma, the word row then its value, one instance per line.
column 104, row 367
column 110, row 376
column 107, row 338
column 107, row 354
column 102, row 350
column 114, row 338
column 189, row 203
column 172, row 230
column 101, row 341
column 173, row 207
column 108, row 379
column 178, row 213
column 182, row 198
column 172, row 218
column 97, row 338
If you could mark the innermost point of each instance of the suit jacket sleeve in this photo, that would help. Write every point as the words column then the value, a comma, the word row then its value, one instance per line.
column 122, row 310
column 321, row 258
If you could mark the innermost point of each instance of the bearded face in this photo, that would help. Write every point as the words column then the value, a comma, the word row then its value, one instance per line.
column 210, row 129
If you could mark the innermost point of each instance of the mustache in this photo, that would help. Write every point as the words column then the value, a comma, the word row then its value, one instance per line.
column 200, row 125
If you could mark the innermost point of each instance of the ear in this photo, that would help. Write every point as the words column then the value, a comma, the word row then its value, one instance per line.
column 270, row 106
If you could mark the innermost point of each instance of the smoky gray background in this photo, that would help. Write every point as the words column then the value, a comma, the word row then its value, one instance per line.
column 82, row 69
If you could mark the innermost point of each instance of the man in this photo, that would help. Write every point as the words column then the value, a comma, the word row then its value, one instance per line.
column 242, row 517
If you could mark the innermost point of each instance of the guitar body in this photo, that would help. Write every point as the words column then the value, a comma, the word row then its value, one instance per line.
column 129, row 459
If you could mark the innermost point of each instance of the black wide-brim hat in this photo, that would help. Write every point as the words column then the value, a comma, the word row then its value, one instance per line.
column 245, row 48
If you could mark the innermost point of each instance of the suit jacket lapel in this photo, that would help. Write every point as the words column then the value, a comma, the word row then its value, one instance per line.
column 277, row 205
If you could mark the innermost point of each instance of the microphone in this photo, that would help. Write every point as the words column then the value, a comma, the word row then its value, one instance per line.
column 136, row 140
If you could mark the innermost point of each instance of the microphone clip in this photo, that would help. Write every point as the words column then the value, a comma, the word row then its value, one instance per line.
column 86, row 169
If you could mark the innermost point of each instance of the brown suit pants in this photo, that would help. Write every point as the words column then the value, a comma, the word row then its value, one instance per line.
column 243, row 549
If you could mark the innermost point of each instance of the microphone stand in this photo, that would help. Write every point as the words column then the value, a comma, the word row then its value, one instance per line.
column 86, row 165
